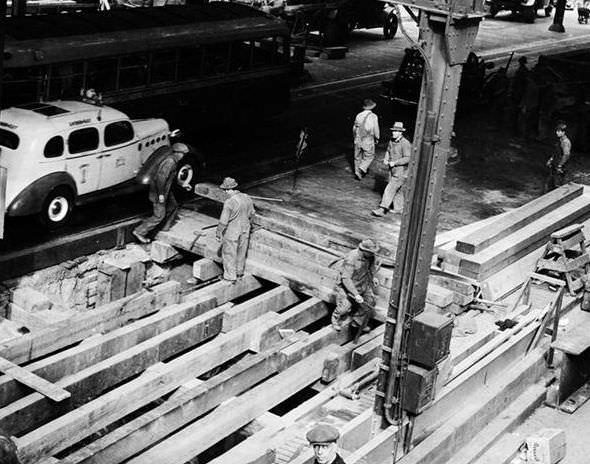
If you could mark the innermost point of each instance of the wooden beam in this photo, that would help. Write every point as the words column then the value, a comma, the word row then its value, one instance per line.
column 39, row 384
column 518, row 218
column 66, row 430
column 234, row 414
column 34, row 409
column 378, row 449
column 65, row 333
column 142, row 432
column 275, row 299
column 225, row 291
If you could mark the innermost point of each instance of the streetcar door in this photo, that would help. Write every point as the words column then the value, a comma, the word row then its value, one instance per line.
column 120, row 157
column 83, row 160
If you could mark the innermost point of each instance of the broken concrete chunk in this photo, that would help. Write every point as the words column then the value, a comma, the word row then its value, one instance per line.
column 162, row 252
column 206, row 269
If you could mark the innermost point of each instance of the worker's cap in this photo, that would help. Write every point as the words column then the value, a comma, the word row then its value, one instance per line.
column 180, row 148
column 369, row 245
column 228, row 183
column 369, row 104
column 322, row 433
column 398, row 126
column 561, row 126
column 523, row 60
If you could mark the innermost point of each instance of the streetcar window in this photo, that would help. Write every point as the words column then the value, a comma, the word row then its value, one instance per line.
column 101, row 75
column 189, row 62
column 163, row 68
column 241, row 56
column 82, row 140
column 66, row 80
column 133, row 71
column 54, row 148
column 9, row 139
column 216, row 59
column 117, row 133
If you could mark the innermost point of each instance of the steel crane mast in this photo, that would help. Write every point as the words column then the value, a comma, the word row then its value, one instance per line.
column 447, row 31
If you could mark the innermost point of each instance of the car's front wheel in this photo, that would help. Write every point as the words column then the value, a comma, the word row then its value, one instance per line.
column 390, row 26
column 57, row 208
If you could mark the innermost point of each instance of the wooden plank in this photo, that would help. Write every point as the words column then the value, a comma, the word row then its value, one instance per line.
column 439, row 296
column 225, row 291
column 89, row 383
column 66, row 430
column 305, row 313
column 65, row 333
column 275, row 299
column 142, row 432
column 575, row 340
column 446, row 440
column 518, row 218
column 513, row 247
column 101, row 347
column 234, row 414
column 378, row 449
column 39, row 384
column 3, row 178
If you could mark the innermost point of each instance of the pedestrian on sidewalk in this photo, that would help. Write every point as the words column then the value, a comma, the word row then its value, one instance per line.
column 355, row 294
column 366, row 135
column 233, row 230
column 164, row 204
column 323, row 438
column 557, row 163
column 397, row 159
column 8, row 451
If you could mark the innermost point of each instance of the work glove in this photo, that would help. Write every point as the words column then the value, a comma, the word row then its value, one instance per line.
column 359, row 299
column 161, row 198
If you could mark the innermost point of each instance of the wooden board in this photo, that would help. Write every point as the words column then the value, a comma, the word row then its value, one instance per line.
column 518, row 218
column 45, row 388
column 575, row 340
column 511, row 248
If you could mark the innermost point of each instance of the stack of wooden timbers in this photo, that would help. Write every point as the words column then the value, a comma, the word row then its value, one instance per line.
column 305, row 254
column 499, row 253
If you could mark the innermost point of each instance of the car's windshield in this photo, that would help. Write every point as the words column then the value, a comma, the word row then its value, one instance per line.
column 9, row 139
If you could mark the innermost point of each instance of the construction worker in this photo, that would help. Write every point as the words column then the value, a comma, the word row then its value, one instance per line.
column 355, row 294
column 558, row 161
column 8, row 451
column 397, row 158
column 323, row 438
column 366, row 135
column 234, row 230
column 165, row 207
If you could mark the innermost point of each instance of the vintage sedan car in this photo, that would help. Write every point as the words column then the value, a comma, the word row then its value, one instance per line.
column 60, row 154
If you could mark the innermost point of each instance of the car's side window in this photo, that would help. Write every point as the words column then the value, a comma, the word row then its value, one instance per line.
column 117, row 133
column 54, row 147
column 82, row 140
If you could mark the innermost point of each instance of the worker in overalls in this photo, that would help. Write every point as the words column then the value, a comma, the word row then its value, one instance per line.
column 558, row 161
column 397, row 159
column 366, row 135
column 355, row 294
column 323, row 438
column 234, row 230
column 164, row 204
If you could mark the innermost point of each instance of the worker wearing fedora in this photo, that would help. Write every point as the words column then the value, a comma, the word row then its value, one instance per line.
column 397, row 158
column 164, row 204
column 358, row 283
column 323, row 438
column 366, row 135
column 234, row 230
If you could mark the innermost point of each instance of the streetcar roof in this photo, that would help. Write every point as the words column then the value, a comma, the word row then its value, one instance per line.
column 42, row 39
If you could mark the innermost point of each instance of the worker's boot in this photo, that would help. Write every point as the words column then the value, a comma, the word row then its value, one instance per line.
column 379, row 212
column 336, row 322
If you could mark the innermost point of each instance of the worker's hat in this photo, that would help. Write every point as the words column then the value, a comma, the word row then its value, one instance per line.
column 561, row 126
column 322, row 434
column 180, row 148
column 369, row 104
column 398, row 126
column 523, row 60
column 369, row 245
column 228, row 183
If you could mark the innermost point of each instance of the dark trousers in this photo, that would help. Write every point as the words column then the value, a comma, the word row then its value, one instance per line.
column 554, row 179
column 164, row 213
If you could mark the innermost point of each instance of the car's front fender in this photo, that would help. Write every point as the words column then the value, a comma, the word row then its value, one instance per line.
column 30, row 199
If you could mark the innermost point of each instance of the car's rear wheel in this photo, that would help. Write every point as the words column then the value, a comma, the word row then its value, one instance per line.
column 390, row 26
column 57, row 208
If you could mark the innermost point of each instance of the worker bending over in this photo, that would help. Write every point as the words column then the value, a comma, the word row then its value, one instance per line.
column 323, row 439
column 234, row 230
column 397, row 158
column 355, row 294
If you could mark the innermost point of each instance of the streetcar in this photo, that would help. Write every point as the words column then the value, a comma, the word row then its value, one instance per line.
column 195, row 65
